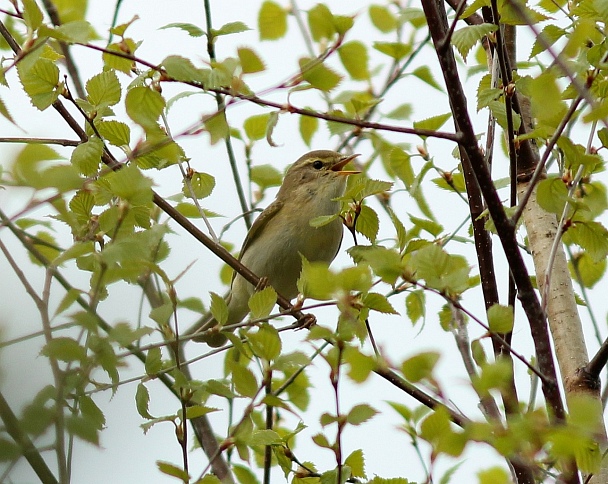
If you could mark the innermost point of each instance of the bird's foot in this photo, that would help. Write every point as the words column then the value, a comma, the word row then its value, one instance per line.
column 263, row 283
column 307, row 321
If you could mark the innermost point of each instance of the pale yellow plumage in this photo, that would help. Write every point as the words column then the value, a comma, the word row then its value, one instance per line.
column 282, row 232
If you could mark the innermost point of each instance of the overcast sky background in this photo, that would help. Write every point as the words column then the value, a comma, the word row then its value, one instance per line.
column 126, row 454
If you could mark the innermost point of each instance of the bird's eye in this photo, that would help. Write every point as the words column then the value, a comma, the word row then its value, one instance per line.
column 317, row 164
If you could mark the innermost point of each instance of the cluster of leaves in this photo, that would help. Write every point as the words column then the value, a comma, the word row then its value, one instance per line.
column 108, row 207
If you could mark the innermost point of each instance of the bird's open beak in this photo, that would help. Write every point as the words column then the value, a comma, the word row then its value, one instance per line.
column 342, row 163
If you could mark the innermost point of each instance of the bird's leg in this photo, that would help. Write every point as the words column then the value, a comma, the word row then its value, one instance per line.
column 307, row 320
column 262, row 284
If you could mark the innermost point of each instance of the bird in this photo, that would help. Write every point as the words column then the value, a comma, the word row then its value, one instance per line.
column 282, row 234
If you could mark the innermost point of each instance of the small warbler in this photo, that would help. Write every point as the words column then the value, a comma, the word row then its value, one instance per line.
column 282, row 232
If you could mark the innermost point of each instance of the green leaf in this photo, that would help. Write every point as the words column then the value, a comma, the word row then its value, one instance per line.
column 219, row 308
column 266, row 176
column 500, row 318
column 424, row 74
column 198, row 411
column 415, row 305
column 308, row 127
column 368, row 223
column 244, row 381
column 356, row 462
column 191, row 29
column 396, row 50
column 552, row 194
column 433, row 123
column 40, row 81
column 361, row 365
column 230, row 28
column 511, row 15
column 272, row 21
column 114, row 132
column 591, row 237
column 127, row 183
column 64, row 349
column 318, row 75
column 420, row 366
column 382, row 18
column 172, row 470
column 86, row 157
column 378, row 302
column 255, row 126
column 360, row 414
column 316, row 281
column 499, row 111
column 585, row 270
column 430, row 226
column 403, row 111
column 547, row 104
column 32, row 15
column 464, row 39
column 250, row 61
column 154, row 362
column 83, row 428
column 144, row 106
column 264, row 437
column 262, row 302
column 354, row 57
column 385, row 263
column 142, row 400
column 78, row 31
column 266, row 343
column 550, row 34
column 182, row 69
column 121, row 64
column 494, row 475
column 321, row 23
column 442, row 271
column 217, row 127
column 202, row 185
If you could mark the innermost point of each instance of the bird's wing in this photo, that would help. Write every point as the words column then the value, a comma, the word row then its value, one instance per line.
column 258, row 225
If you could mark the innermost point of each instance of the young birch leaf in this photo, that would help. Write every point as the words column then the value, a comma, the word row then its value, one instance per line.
column 585, row 270
column 266, row 176
column 219, row 308
column 318, row 75
column 354, row 57
column 424, row 74
column 433, row 123
column 549, row 35
column 415, row 305
column 356, row 462
column 500, row 318
column 32, row 15
column 86, row 157
column 202, row 185
column 321, row 22
column 262, row 302
column 360, row 414
column 552, row 194
column 114, row 132
column 464, row 39
column 217, row 126
column 272, row 21
column 144, row 106
column 420, row 366
column 396, row 50
column 103, row 90
column 182, row 69
column 590, row 236
column 250, row 61
column 244, row 381
column 308, row 127
column 142, row 400
column 316, row 281
column 255, row 126
column 382, row 18
column 231, row 28
column 192, row 30
column 266, row 343
column 154, row 362
column 64, row 349
column 378, row 302
column 40, row 82
column 173, row 471
column 368, row 223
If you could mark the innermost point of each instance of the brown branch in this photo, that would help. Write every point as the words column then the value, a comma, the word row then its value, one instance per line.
column 437, row 21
